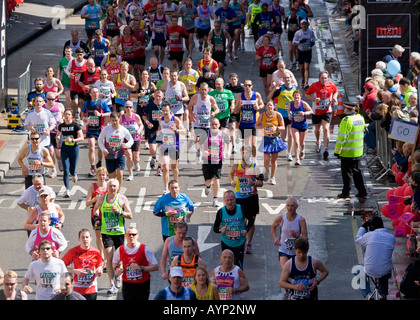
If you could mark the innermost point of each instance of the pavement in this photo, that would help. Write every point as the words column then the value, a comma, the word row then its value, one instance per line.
column 27, row 24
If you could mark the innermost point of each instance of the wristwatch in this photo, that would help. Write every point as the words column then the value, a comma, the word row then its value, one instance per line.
column 142, row 268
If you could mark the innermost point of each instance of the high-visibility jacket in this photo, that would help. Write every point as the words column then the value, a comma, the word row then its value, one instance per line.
column 350, row 136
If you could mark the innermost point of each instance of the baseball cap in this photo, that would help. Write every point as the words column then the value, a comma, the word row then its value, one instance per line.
column 43, row 191
column 206, row 70
column 303, row 21
column 128, row 103
column 350, row 105
column 369, row 85
column 176, row 272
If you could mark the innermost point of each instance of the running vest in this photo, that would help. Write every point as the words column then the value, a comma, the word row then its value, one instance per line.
column 227, row 280
column 269, row 131
column 202, row 109
column 123, row 93
column 93, row 21
column 56, row 112
column 40, row 237
column 155, row 74
column 96, row 192
column 94, row 123
column 255, row 10
column 100, row 49
column 284, row 99
column 77, row 70
column 188, row 269
column 218, row 41
column 91, row 78
column 51, row 88
column 298, row 121
column 233, row 237
column 112, row 223
column 130, row 275
column 159, row 28
column 171, row 95
column 278, row 14
column 174, row 250
column 205, row 15
column 53, row 215
column 215, row 147
column 29, row 161
column 170, row 139
column 131, row 125
column 305, row 276
column 248, row 116
column 287, row 242
column 242, row 187
column 127, row 47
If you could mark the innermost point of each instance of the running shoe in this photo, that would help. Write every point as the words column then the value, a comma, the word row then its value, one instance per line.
column 248, row 248
column 165, row 191
column 318, row 147
column 159, row 171
column 53, row 174
column 146, row 145
column 235, row 57
column 130, row 177
column 230, row 59
column 98, row 164
column 215, row 202
column 112, row 289
column 273, row 181
column 91, row 172
column 243, row 48
column 152, row 163
column 326, row 154
column 297, row 163
column 75, row 178
column 207, row 190
column 138, row 168
column 302, row 155
column 289, row 157
column 67, row 193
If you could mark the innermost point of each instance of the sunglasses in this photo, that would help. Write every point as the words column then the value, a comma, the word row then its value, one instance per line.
column 247, row 85
column 50, row 99
column 34, row 139
column 46, row 248
column 10, row 283
column 131, row 234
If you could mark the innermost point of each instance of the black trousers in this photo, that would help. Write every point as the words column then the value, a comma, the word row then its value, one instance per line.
column 349, row 168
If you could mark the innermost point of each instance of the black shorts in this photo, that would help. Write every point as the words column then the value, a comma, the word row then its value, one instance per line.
column 136, row 146
column 245, row 132
column 53, row 140
column 304, row 56
column 290, row 35
column 250, row 206
column 77, row 94
column 130, row 61
column 92, row 135
column 318, row 118
column 211, row 171
column 265, row 72
column 158, row 42
column 112, row 33
column 112, row 240
column 176, row 55
column 151, row 136
column 172, row 153
column 219, row 56
column 234, row 117
column 140, row 61
column 201, row 33
column 192, row 30
column 224, row 123
column 119, row 107
column 287, row 121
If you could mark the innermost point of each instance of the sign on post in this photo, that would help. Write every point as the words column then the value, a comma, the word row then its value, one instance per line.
column 403, row 131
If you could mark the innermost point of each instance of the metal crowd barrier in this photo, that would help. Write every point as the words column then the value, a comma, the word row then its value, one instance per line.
column 24, row 87
column 383, row 151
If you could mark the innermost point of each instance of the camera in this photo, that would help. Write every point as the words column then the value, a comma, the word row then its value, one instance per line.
column 369, row 226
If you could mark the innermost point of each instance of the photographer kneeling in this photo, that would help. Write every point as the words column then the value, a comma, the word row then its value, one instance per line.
column 379, row 244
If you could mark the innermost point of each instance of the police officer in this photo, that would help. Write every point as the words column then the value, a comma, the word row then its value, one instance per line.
column 349, row 148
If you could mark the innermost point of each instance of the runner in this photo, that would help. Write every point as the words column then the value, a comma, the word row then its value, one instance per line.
column 204, row 17
column 88, row 78
column 151, row 116
column 298, row 111
column 132, row 122
column 245, row 176
column 174, row 35
column 216, row 40
column 65, row 80
column 39, row 91
column 140, row 50
column 159, row 23
column 85, row 263
column 247, row 105
column 202, row 108
column 264, row 19
column 188, row 13
column 94, row 113
column 74, row 70
column 155, row 70
column 111, row 26
column 225, row 102
column 272, row 123
column 129, row 44
column 124, row 84
column 238, row 25
column 266, row 54
column 323, row 95
column 99, row 47
column 69, row 135
column 279, row 15
column 115, row 208
column 291, row 26
column 208, row 61
column 176, row 94
column 304, row 39
column 56, row 108
column 106, row 88
column 113, row 140
column 91, row 13
column 227, row 17
column 284, row 95
column 53, row 84
column 213, row 156
column 170, row 127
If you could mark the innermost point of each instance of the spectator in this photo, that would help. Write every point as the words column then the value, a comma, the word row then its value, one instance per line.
column 412, row 72
column 379, row 244
column 394, row 54
column 369, row 99
column 406, row 89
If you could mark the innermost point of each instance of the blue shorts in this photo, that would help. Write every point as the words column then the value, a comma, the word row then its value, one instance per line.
column 282, row 254
column 113, row 164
